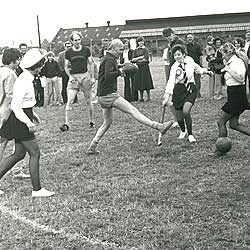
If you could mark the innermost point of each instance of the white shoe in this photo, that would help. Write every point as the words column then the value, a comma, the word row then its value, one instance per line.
column 175, row 125
column 1, row 192
column 182, row 135
column 191, row 139
column 42, row 193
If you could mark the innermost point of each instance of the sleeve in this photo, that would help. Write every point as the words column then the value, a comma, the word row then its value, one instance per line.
column 8, row 85
column 171, row 81
column 165, row 55
column 58, row 69
column 16, row 104
column 111, row 71
column 146, row 54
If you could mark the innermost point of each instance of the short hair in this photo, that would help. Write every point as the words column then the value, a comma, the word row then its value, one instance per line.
column 228, row 47
column 23, row 44
column 10, row 55
column 180, row 47
column 75, row 33
column 167, row 32
column 140, row 39
column 51, row 53
column 240, row 41
column 113, row 43
column 217, row 39
column 126, row 41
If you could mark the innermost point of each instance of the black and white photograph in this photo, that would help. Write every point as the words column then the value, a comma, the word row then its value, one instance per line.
column 125, row 125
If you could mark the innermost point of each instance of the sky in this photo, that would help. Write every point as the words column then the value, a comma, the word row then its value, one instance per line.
column 18, row 18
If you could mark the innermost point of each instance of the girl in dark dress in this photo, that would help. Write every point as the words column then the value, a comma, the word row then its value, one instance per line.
column 143, row 78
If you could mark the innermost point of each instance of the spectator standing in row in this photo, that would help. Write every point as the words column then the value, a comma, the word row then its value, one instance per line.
column 143, row 78
column 130, row 94
column 247, row 50
column 65, row 77
column 194, row 51
column 52, row 72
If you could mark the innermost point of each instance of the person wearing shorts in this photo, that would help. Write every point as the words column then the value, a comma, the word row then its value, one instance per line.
column 80, row 69
column 108, row 97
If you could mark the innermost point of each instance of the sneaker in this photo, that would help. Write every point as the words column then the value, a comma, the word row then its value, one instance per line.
column 91, row 125
column 175, row 125
column 21, row 175
column 191, row 139
column 64, row 128
column 42, row 193
column 92, row 148
column 1, row 192
column 166, row 127
column 182, row 135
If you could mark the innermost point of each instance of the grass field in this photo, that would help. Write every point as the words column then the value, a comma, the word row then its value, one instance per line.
column 133, row 195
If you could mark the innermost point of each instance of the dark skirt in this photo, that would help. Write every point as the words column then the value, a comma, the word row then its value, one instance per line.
column 182, row 94
column 143, row 78
column 15, row 129
column 237, row 101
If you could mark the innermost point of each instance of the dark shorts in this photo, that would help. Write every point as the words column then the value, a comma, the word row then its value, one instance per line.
column 182, row 94
column 17, row 130
column 237, row 101
column 107, row 100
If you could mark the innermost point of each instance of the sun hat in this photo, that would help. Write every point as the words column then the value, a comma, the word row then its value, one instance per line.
column 32, row 57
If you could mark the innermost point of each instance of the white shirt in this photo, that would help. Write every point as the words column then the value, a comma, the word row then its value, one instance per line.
column 23, row 96
column 7, row 79
column 165, row 57
column 190, row 67
column 125, row 55
column 237, row 65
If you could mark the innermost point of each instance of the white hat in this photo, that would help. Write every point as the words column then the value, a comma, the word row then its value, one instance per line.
column 32, row 57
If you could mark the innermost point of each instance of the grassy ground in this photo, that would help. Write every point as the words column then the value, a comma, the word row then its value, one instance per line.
column 134, row 195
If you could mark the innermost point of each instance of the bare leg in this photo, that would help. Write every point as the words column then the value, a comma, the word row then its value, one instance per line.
column 71, row 97
column 88, row 99
column 3, row 145
column 187, row 117
column 224, row 118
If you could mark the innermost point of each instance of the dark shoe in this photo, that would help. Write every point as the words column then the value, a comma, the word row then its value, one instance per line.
column 64, row 128
column 91, row 125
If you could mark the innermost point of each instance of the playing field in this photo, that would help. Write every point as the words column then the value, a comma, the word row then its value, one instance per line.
column 133, row 195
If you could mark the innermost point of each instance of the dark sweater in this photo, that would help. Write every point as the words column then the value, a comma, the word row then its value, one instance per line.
column 51, row 69
column 108, row 73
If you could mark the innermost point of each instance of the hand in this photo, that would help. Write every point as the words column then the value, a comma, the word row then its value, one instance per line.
column 32, row 128
column 123, row 74
column 210, row 73
column 226, row 68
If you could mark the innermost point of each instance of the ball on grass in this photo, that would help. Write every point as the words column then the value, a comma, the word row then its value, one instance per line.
column 130, row 67
column 223, row 144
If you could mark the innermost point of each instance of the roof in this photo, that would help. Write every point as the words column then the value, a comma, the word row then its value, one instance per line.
column 187, row 29
column 94, row 34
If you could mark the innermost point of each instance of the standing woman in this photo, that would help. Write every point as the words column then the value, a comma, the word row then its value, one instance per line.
column 143, row 78
column 181, row 89
column 237, row 102
column 129, row 87
column 20, row 125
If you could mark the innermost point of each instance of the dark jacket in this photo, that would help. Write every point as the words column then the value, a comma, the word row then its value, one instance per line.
column 108, row 73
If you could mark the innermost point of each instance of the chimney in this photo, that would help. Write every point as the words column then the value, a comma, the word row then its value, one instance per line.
column 87, row 25
column 108, row 22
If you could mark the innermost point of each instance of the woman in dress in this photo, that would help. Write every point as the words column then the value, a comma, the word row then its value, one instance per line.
column 181, row 89
column 143, row 78
column 20, row 125
column 237, row 102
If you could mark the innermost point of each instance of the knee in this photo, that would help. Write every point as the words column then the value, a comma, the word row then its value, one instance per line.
column 233, row 124
column 186, row 113
column 107, row 123
column 20, row 155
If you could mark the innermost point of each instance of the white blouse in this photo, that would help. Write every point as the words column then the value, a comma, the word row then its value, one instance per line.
column 238, row 66
column 125, row 55
column 190, row 67
column 23, row 96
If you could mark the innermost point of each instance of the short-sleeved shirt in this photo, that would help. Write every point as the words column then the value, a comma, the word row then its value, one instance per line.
column 78, row 60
